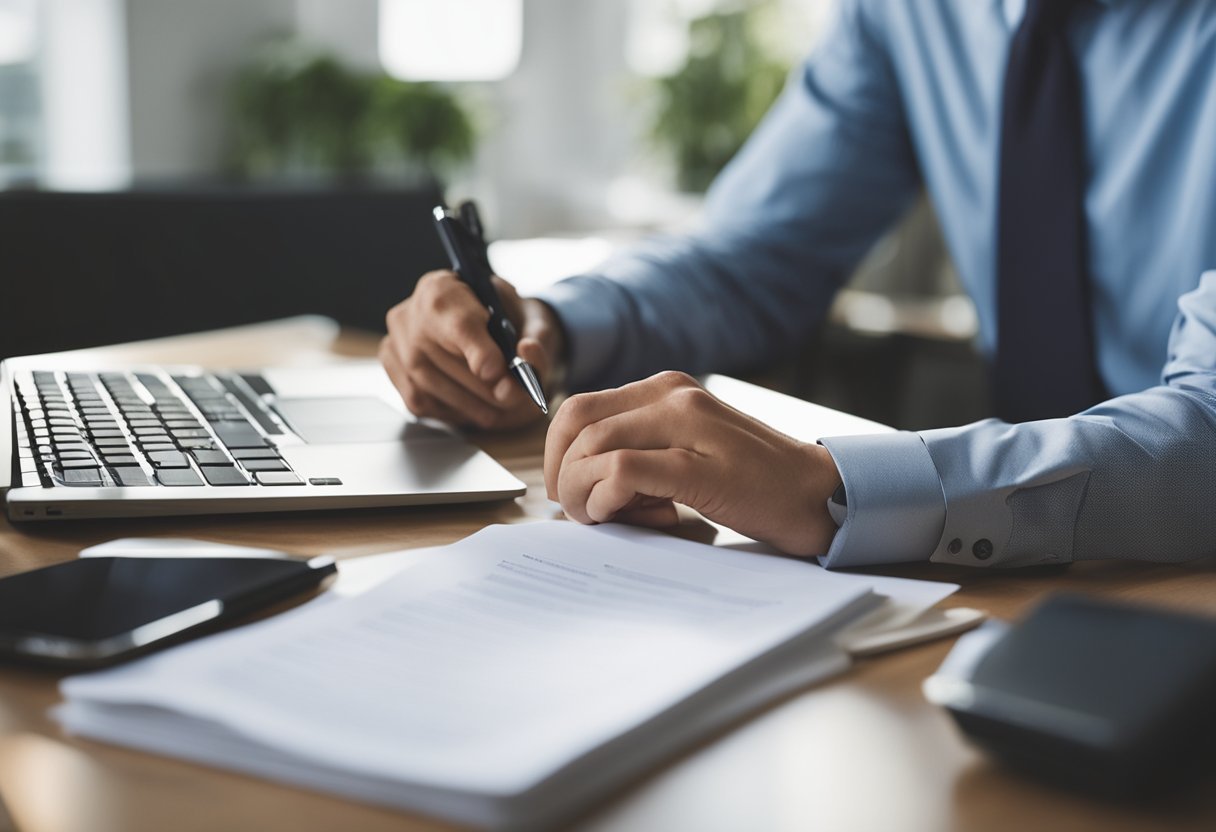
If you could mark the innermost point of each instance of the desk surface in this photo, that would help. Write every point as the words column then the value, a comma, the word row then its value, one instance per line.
column 863, row 752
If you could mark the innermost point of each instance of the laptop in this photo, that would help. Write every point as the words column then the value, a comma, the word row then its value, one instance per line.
column 145, row 440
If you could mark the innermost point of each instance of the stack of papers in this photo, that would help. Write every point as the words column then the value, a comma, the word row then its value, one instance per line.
column 503, row 681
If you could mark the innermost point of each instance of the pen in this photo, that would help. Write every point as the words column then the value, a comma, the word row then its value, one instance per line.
column 466, row 249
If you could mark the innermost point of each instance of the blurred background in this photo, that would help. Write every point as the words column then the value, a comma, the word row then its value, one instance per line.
column 168, row 165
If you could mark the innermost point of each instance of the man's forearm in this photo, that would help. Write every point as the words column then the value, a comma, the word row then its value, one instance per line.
column 1133, row 478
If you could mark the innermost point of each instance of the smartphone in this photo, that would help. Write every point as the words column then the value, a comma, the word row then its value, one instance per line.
column 94, row 612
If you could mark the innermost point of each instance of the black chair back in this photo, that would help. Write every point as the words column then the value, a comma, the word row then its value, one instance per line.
column 80, row 270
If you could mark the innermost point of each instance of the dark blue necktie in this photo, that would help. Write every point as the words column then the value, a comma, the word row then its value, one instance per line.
column 1045, row 349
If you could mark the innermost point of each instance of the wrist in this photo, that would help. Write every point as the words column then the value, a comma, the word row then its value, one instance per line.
column 820, row 479
column 551, row 334
column 825, row 476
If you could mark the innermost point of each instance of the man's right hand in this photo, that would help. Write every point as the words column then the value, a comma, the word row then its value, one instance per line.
column 442, row 360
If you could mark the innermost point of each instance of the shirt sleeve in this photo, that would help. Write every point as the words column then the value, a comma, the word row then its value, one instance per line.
column 1133, row 478
column 828, row 170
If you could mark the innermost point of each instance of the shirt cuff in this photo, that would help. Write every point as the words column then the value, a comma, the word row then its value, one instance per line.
column 591, row 324
column 896, row 509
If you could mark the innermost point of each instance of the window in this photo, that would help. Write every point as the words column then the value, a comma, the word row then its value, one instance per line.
column 17, row 31
column 451, row 40
column 19, row 112
column 658, row 38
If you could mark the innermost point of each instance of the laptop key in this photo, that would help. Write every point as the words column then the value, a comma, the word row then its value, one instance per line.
column 255, row 453
column 111, row 442
column 75, row 454
column 186, row 433
column 264, row 464
column 277, row 478
column 82, row 476
column 238, row 434
column 131, row 477
column 169, row 459
column 244, row 442
column 224, row 475
column 121, row 461
column 178, row 477
column 196, row 444
column 210, row 457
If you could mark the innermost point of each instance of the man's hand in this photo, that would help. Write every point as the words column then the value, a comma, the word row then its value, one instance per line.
column 631, row 453
column 442, row 360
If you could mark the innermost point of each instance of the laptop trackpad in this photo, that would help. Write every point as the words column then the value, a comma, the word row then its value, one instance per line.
column 327, row 421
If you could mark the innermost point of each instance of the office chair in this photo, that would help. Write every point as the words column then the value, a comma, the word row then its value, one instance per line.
column 83, row 269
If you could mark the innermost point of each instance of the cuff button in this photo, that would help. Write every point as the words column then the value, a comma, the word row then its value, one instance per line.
column 982, row 549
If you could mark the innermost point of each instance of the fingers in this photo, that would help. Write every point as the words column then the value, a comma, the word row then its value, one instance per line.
column 457, row 370
column 464, row 333
column 647, row 428
column 530, row 350
column 428, row 392
column 446, row 312
column 660, row 515
column 578, row 412
column 597, row 488
column 442, row 360
column 452, row 395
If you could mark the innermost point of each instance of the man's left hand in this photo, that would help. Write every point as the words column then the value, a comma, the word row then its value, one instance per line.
column 630, row 454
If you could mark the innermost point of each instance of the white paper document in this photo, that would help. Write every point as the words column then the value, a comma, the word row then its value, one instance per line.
column 499, row 679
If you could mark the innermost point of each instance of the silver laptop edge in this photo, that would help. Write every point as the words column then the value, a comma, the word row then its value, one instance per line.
column 7, row 454
column 430, row 465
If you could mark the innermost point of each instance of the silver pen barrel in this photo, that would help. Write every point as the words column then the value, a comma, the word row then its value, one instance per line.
column 527, row 377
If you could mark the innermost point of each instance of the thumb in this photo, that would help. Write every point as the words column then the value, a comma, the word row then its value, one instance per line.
column 531, row 350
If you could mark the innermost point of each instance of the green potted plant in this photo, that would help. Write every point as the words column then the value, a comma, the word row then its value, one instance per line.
column 710, row 105
column 298, row 112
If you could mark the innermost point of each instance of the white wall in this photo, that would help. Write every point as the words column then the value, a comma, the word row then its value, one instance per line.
column 82, row 74
column 181, row 56
column 562, row 125
column 347, row 27
column 558, row 132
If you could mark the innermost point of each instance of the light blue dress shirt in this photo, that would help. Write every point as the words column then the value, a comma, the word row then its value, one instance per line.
column 904, row 95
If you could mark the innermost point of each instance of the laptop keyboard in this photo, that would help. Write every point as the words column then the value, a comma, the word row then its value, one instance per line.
column 130, row 429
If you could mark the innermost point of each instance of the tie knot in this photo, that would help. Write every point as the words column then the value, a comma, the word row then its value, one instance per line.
column 1049, row 12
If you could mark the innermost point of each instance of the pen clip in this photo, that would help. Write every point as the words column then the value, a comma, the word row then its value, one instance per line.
column 470, row 217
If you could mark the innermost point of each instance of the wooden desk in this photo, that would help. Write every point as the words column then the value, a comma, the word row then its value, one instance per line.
column 863, row 752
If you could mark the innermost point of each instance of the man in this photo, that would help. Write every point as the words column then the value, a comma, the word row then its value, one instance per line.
column 1069, row 147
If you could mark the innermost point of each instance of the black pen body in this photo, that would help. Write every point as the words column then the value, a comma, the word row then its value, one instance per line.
column 470, row 266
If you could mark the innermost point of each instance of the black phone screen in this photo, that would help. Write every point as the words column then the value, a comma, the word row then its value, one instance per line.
column 97, row 610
